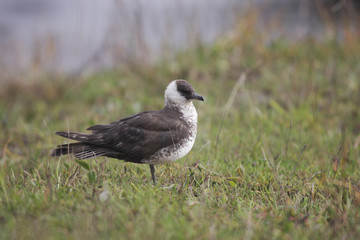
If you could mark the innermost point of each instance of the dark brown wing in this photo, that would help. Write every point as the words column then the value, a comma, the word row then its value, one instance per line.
column 136, row 137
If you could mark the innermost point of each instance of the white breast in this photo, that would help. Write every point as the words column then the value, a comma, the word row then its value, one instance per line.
column 174, row 152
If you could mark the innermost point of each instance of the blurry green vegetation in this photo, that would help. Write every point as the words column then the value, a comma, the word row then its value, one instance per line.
column 285, row 164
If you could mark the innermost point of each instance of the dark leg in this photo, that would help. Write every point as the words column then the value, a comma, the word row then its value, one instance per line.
column 152, row 169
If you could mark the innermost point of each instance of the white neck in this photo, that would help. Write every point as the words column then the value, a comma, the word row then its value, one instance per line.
column 189, row 113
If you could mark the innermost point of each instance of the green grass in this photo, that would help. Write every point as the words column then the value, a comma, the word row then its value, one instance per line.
column 284, row 164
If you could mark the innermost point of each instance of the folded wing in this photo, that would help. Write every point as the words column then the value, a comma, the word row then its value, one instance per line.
column 131, row 139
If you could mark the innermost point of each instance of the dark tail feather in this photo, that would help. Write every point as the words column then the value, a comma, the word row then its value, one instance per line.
column 73, row 135
column 66, row 149
column 80, row 150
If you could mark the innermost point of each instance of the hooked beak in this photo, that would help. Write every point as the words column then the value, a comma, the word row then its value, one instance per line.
column 197, row 97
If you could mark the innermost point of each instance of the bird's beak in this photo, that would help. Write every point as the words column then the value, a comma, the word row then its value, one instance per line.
column 197, row 97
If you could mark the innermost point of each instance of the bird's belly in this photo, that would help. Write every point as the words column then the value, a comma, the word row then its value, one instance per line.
column 173, row 152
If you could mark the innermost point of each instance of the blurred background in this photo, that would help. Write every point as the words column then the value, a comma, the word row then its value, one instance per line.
column 278, row 146
column 74, row 37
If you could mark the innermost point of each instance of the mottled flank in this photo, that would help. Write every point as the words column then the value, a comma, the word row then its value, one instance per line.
column 182, row 147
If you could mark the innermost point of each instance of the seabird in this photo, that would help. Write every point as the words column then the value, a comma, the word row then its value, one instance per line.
column 152, row 137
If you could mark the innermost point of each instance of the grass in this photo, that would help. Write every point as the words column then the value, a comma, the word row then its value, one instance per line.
column 283, row 165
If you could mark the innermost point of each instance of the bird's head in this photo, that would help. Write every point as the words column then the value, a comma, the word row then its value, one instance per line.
column 180, row 92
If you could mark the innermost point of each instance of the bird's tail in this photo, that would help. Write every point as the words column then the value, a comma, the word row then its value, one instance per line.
column 73, row 135
column 80, row 150
column 67, row 149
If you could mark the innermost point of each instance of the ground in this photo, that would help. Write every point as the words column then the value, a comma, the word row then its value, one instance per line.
column 276, row 156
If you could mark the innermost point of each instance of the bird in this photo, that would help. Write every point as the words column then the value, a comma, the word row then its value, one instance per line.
column 150, row 137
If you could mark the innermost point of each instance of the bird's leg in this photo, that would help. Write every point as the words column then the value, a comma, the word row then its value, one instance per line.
column 152, row 169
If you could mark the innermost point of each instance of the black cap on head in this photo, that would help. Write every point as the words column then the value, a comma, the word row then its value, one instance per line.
column 186, row 90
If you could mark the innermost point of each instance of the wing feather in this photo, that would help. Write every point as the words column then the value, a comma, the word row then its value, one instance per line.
column 138, row 136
